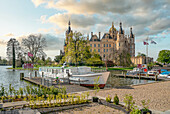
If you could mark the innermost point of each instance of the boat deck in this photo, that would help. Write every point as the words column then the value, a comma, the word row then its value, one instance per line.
column 69, row 87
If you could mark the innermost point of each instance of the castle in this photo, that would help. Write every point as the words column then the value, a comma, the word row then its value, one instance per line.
column 115, row 40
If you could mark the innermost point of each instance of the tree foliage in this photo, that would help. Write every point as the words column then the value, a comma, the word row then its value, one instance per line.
column 13, row 50
column 120, row 57
column 34, row 44
column 58, row 58
column 164, row 56
column 141, row 54
column 77, row 50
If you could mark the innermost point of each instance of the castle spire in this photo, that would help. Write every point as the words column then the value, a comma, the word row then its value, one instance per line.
column 131, row 33
column 121, row 30
column 69, row 23
column 69, row 28
column 112, row 24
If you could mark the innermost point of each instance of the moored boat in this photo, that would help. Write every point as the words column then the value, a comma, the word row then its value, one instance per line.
column 75, row 75
column 164, row 74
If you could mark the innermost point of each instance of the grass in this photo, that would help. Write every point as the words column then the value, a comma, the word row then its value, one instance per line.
column 20, row 68
column 111, row 68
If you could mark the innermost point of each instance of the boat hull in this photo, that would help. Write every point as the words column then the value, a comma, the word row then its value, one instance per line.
column 92, row 85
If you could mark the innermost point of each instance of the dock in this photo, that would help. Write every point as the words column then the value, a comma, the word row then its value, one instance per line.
column 142, row 77
column 70, row 88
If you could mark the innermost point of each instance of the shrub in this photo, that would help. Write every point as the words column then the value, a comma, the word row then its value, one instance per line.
column 129, row 103
column 145, row 105
column 108, row 99
column 116, row 100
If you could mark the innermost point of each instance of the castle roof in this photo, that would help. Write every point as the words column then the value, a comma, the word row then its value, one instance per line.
column 94, row 36
column 104, row 36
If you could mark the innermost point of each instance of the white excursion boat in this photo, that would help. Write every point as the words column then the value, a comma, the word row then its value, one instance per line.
column 76, row 75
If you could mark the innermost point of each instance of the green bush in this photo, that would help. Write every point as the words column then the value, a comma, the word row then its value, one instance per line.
column 108, row 98
column 129, row 103
column 116, row 100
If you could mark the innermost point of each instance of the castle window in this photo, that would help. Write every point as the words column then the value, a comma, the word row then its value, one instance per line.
column 94, row 45
column 94, row 39
column 109, row 45
column 90, row 45
column 90, row 50
column 98, row 50
column 107, row 50
column 119, row 44
column 115, row 45
column 104, row 55
column 104, row 50
column 94, row 50
column 104, row 45
column 98, row 45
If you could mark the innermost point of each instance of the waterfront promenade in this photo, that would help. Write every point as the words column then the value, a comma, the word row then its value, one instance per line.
column 158, row 93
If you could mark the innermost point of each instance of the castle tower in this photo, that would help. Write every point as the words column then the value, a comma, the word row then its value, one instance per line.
column 121, row 30
column 132, row 43
column 69, row 33
column 112, row 31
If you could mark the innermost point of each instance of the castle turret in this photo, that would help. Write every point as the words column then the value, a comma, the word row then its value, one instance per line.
column 131, row 33
column 99, row 35
column 121, row 30
column 68, row 35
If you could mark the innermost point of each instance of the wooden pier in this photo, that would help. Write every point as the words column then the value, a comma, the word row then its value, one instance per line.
column 142, row 77
column 70, row 88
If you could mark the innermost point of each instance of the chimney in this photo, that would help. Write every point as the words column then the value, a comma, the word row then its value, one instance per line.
column 99, row 35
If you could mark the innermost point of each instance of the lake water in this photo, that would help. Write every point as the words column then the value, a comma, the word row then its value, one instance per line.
column 121, row 82
column 8, row 76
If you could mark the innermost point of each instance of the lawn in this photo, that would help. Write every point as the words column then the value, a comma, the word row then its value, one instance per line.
column 20, row 68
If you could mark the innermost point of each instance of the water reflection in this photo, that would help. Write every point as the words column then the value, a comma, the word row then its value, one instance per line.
column 123, row 82
column 8, row 76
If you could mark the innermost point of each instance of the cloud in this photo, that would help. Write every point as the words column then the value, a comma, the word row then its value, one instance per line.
column 9, row 35
column 103, row 6
column 38, row 2
column 76, row 20
column 43, row 18
column 53, row 42
column 3, row 43
column 147, row 17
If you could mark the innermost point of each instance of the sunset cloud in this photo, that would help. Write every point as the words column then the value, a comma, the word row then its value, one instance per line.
column 9, row 35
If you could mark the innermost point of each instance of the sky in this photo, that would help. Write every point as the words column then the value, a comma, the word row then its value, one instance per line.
column 148, row 18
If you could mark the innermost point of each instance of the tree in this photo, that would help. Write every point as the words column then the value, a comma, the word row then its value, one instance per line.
column 35, row 45
column 13, row 50
column 95, row 59
column 120, row 57
column 141, row 54
column 164, row 56
column 77, row 50
column 58, row 58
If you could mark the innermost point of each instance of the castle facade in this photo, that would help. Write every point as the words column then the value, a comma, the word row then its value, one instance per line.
column 113, row 41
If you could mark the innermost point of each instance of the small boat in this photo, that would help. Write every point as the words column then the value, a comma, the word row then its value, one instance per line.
column 135, row 71
column 75, row 75
column 164, row 74
column 152, row 73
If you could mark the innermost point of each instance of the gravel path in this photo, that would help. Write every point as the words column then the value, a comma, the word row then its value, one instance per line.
column 157, row 93
column 94, row 109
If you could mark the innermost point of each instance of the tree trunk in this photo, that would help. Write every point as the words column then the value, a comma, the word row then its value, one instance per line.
column 13, row 53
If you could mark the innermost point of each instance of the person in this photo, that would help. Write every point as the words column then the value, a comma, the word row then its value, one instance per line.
column 57, row 80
